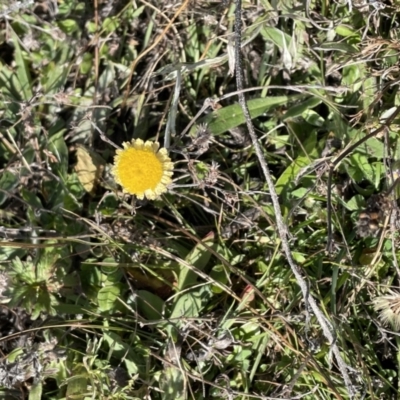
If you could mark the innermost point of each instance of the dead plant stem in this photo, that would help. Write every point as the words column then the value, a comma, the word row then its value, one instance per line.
column 309, row 300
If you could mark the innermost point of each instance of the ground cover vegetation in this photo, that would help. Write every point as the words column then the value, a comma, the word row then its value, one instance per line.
column 193, row 287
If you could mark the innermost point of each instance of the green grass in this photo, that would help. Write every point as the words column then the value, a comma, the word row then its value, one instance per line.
column 190, row 296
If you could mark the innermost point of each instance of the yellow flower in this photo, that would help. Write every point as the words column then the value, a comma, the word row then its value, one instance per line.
column 143, row 170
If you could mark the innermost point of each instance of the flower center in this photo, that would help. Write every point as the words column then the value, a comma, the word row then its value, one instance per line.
column 139, row 170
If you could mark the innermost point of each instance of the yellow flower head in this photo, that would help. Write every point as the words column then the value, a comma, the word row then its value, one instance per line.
column 143, row 170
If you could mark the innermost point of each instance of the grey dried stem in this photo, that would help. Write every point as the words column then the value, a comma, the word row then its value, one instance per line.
column 309, row 300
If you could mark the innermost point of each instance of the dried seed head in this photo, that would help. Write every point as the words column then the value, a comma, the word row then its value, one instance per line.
column 388, row 307
column 213, row 174
column 201, row 142
column 231, row 198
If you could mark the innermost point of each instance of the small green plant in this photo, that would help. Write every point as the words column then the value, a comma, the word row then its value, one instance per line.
column 35, row 284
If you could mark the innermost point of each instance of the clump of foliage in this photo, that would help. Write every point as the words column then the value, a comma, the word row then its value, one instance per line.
column 109, row 296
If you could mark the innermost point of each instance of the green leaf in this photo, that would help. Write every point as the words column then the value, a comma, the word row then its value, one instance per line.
column 346, row 31
column 10, row 253
column 190, row 303
column 110, row 24
column 300, row 109
column 45, row 302
column 22, row 269
column 172, row 384
column 106, row 81
column 276, row 36
column 120, row 349
column 198, row 257
column 46, row 264
column 68, row 26
column 372, row 148
column 90, row 275
column 356, row 203
column 218, row 274
column 313, row 118
column 290, row 173
column 23, row 74
column 13, row 355
column 6, row 77
column 390, row 57
column 8, row 182
column 31, row 199
column 352, row 76
column 362, row 163
column 86, row 64
column 232, row 116
column 107, row 297
column 77, row 386
column 150, row 305
column 369, row 91
column 54, row 77
column 338, row 46
column 20, row 293
column 59, row 149
column 72, row 309
column 36, row 390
